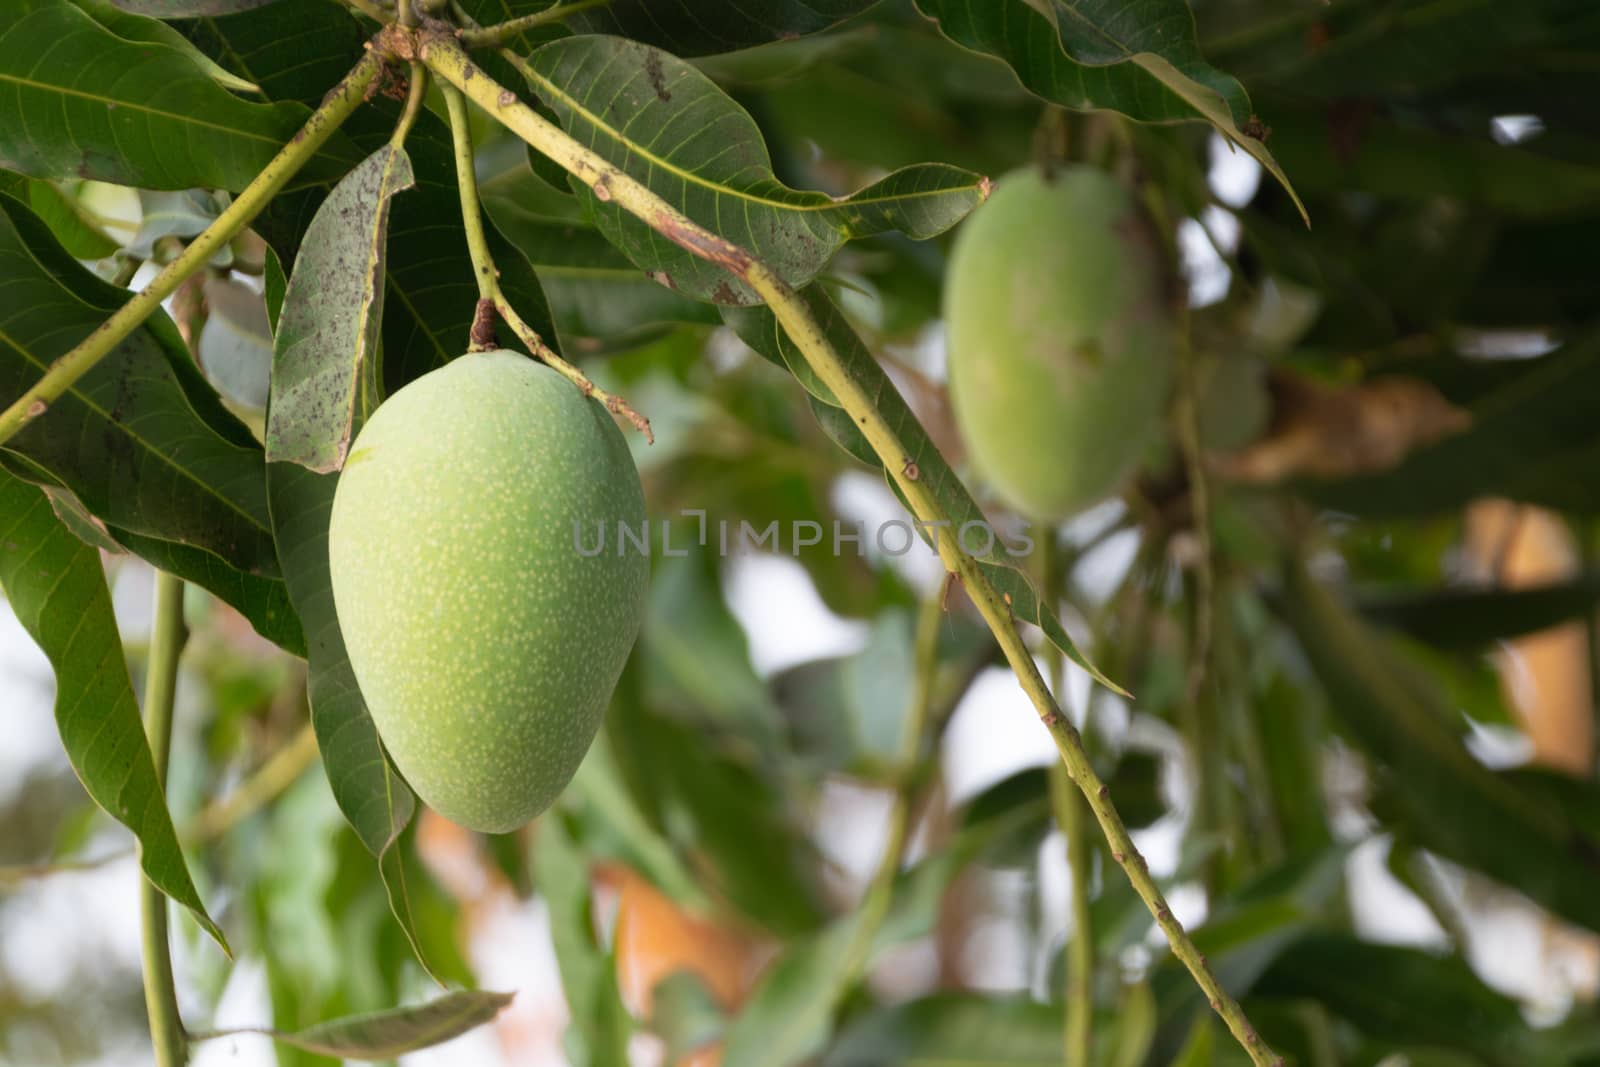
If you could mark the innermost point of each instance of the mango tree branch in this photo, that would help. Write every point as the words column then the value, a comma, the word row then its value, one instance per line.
column 67, row 369
column 504, row 31
column 490, row 297
column 167, row 637
column 444, row 55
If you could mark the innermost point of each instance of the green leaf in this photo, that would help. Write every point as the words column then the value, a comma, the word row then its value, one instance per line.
column 759, row 329
column 601, row 1024
column 325, row 348
column 1534, row 441
column 292, row 51
column 594, row 290
column 61, row 211
column 1471, row 618
column 375, row 800
column 176, row 9
column 661, row 121
column 1405, row 997
column 701, row 27
column 141, row 438
column 790, row 1014
column 127, row 22
column 1455, row 806
column 953, row 1030
column 57, row 588
column 128, row 112
column 383, row 1035
column 1141, row 59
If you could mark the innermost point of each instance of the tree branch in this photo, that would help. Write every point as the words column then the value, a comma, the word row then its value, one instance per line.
column 501, row 32
column 160, row 686
column 444, row 55
column 66, row 370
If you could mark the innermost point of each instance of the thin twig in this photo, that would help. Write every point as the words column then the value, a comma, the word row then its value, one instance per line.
column 1071, row 817
column 66, row 370
column 281, row 770
column 451, row 64
column 490, row 296
column 369, row 9
column 415, row 95
column 14, row 875
column 167, row 638
column 501, row 32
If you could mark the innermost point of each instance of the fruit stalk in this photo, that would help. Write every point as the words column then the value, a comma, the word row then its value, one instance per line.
column 167, row 638
column 67, row 369
column 443, row 54
column 488, row 278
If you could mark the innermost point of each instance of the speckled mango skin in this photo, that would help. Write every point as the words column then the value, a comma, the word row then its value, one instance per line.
column 1059, row 339
column 486, row 647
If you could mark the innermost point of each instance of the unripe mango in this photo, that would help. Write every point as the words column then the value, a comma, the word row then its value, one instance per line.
column 485, row 644
column 1059, row 339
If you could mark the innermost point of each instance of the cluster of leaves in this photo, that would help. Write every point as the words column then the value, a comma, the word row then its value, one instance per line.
column 1431, row 240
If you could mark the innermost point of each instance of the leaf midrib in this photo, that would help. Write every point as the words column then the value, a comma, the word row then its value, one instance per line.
column 691, row 178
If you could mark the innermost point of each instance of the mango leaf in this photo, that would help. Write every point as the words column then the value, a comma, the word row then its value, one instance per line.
column 1472, row 618
column 383, row 1035
column 325, row 347
column 129, row 112
column 601, row 1025
column 60, row 210
column 1403, row 996
column 57, row 588
column 789, row 1016
column 594, row 290
column 290, row 51
column 1141, row 59
column 664, row 123
column 174, row 9
column 127, row 23
column 953, row 1028
column 1534, row 441
column 141, row 438
column 1455, row 806
column 701, row 27
column 758, row 328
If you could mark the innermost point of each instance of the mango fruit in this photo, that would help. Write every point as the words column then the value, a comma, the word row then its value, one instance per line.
column 485, row 643
column 1059, row 339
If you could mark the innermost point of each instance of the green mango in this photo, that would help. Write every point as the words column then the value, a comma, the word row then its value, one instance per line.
column 1059, row 339
column 485, row 643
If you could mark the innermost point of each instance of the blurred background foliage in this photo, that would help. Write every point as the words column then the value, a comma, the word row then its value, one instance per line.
column 1375, row 804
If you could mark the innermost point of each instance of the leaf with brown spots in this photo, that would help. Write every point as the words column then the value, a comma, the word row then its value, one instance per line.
column 324, row 355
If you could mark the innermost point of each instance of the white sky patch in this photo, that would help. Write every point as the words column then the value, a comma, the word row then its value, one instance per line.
column 784, row 619
column 1233, row 176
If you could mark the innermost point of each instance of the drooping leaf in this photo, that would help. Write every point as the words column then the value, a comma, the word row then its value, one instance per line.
column 1141, row 59
column 291, row 51
column 140, row 439
column 701, row 27
column 373, row 797
column 664, row 123
column 124, row 19
column 1471, row 618
column 60, row 211
column 600, row 1023
column 383, row 1035
column 325, row 349
column 176, row 9
column 789, row 1016
column 130, row 112
column 952, row 1028
column 1454, row 805
column 1401, row 996
column 55, row 584
column 1534, row 441
column 759, row 329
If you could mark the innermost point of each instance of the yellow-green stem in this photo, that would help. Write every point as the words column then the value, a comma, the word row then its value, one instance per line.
column 167, row 637
column 504, row 31
column 445, row 57
column 491, row 300
column 66, row 370
column 278, row 773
